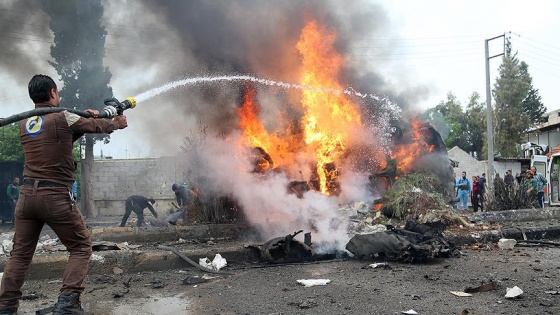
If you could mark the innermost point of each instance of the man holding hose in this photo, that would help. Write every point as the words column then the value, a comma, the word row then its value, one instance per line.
column 46, row 196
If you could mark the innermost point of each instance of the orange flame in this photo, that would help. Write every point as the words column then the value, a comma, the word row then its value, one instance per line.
column 406, row 154
column 257, row 136
column 329, row 118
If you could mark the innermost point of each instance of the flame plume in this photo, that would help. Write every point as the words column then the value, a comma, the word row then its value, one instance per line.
column 329, row 118
column 406, row 154
column 255, row 133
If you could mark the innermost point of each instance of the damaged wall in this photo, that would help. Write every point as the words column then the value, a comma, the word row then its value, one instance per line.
column 116, row 180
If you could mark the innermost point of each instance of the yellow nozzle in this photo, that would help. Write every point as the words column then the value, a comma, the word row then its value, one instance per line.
column 132, row 101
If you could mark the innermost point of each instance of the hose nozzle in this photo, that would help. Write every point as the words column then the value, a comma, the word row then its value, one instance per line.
column 129, row 102
column 114, row 108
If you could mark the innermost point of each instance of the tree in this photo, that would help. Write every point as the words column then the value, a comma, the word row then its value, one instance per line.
column 78, row 51
column 533, row 106
column 10, row 145
column 510, row 90
column 454, row 118
column 476, row 125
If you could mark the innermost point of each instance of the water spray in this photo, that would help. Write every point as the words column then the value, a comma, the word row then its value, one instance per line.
column 112, row 108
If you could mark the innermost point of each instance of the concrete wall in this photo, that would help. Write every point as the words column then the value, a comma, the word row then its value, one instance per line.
column 466, row 163
column 115, row 180
column 550, row 138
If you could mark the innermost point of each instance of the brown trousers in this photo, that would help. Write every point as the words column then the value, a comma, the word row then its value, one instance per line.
column 55, row 207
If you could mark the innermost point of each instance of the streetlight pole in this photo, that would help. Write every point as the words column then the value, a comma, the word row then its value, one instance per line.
column 489, row 111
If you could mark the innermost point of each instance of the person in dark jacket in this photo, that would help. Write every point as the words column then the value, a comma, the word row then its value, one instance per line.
column 137, row 204
column 182, row 196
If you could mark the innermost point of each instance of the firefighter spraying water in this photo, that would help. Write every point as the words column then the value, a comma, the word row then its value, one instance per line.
column 112, row 108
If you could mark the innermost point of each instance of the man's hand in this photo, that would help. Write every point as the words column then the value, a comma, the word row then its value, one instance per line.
column 94, row 113
column 121, row 120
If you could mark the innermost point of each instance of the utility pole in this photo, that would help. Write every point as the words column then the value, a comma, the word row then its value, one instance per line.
column 489, row 111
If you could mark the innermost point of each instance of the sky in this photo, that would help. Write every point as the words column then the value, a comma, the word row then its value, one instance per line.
column 419, row 51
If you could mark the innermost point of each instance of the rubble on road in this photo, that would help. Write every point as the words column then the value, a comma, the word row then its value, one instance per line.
column 216, row 264
column 512, row 293
column 415, row 243
column 313, row 282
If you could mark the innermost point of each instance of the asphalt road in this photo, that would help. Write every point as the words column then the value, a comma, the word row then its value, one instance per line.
column 353, row 288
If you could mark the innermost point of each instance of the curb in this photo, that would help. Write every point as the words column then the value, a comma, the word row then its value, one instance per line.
column 529, row 233
column 516, row 215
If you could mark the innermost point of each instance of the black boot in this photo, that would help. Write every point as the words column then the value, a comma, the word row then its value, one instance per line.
column 8, row 310
column 68, row 304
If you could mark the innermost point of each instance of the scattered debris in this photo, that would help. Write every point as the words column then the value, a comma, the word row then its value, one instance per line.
column 99, row 258
column 482, row 288
column 6, row 243
column 104, row 279
column 157, row 284
column 192, row 263
column 216, row 264
column 307, row 303
column 460, row 293
column 45, row 311
column 383, row 265
column 120, row 294
column 506, row 243
column 313, row 282
column 117, row 271
column 105, row 245
column 415, row 243
column 193, row 280
column 33, row 296
column 285, row 249
column 540, row 242
column 512, row 293
column 410, row 312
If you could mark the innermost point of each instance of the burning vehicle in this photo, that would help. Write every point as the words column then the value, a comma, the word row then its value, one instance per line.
column 298, row 152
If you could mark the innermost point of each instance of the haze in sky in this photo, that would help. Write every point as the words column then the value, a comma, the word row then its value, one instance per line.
column 419, row 50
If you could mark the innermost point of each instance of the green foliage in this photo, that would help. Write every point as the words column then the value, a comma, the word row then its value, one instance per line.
column 510, row 90
column 533, row 106
column 452, row 112
column 10, row 145
column 414, row 194
column 508, row 197
column 476, row 116
column 467, row 129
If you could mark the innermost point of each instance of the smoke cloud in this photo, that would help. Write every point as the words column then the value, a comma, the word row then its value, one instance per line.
column 150, row 43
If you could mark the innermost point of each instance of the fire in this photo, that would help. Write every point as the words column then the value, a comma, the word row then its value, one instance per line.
column 257, row 136
column 406, row 154
column 329, row 118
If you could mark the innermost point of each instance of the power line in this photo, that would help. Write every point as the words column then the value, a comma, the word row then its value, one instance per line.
column 416, row 52
column 424, row 57
column 412, row 46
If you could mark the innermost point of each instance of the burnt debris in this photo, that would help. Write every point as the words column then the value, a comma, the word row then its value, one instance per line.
column 415, row 243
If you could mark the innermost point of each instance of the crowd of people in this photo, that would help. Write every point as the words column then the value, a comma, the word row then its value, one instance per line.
column 531, row 182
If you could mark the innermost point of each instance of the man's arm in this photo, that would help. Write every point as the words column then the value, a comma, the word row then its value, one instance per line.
column 152, row 210
column 83, row 125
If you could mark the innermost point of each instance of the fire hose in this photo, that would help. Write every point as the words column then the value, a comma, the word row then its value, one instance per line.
column 112, row 108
